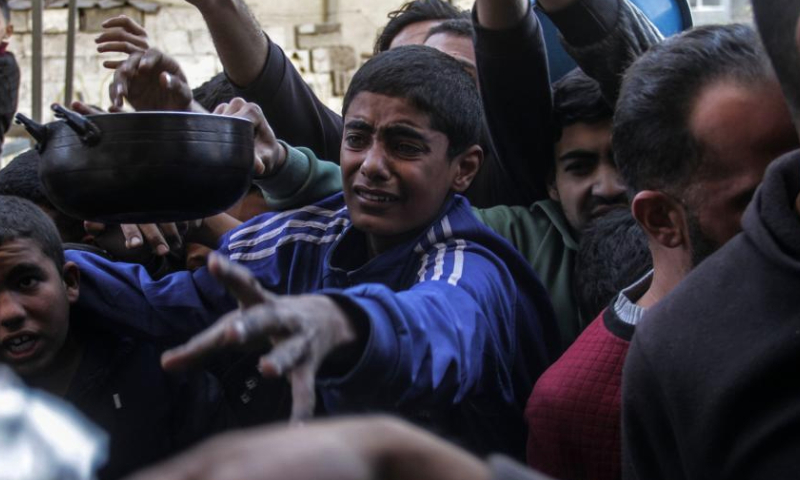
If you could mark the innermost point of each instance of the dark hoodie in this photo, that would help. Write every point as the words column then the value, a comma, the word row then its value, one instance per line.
column 711, row 384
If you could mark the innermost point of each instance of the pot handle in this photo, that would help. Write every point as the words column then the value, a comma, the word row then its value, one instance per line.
column 88, row 132
column 39, row 132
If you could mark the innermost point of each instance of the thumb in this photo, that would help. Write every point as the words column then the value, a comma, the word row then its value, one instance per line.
column 239, row 281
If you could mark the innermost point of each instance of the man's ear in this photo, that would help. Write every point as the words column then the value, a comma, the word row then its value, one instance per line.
column 467, row 164
column 71, row 276
column 661, row 217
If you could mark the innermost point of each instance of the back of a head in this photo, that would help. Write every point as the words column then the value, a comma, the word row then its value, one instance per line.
column 215, row 91
column 653, row 145
column 20, row 219
column 20, row 178
column 777, row 22
column 433, row 82
column 413, row 12
column 577, row 99
column 459, row 27
column 613, row 253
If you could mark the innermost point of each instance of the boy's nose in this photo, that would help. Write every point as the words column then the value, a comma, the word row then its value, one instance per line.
column 11, row 311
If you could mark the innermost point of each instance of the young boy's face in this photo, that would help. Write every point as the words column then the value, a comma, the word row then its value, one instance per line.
column 34, row 306
column 395, row 171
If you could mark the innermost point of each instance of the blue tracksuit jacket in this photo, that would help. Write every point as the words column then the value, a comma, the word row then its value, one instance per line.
column 460, row 327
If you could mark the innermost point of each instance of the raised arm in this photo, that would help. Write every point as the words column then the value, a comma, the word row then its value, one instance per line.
column 515, row 87
column 603, row 36
column 261, row 73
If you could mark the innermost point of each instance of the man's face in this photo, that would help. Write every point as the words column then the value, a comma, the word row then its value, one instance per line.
column 741, row 129
column 458, row 47
column 34, row 307
column 586, row 181
column 413, row 34
column 395, row 171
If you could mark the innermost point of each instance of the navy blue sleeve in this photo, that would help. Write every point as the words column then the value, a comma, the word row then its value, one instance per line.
column 168, row 310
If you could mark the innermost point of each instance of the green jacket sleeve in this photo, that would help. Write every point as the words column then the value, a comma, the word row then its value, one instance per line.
column 301, row 181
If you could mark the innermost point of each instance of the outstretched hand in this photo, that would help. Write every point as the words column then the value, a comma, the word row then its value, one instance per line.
column 151, row 80
column 121, row 34
column 301, row 330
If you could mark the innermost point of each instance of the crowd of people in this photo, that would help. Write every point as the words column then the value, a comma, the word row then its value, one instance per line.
column 471, row 273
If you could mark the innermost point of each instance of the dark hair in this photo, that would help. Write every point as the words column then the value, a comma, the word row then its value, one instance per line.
column 20, row 178
column 413, row 12
column 777, row 24
column 459, row 27
column 434, row 83
column 215, row 91
column 5, row 10
column 577, row 99
column 21, row 219
column 653, row 145
column 612, row 254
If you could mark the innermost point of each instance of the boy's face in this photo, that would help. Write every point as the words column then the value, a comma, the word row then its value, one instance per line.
column 395, row 171
column 34, row 307
column 587, row 183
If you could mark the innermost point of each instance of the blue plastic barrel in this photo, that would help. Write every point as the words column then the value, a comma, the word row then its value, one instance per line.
column 669, row 16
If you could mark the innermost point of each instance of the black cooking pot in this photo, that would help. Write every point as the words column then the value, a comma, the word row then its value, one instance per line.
column 143, row 167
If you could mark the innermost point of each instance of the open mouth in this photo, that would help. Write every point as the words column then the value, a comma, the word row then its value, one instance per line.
column 376, row 196
column 21, row 345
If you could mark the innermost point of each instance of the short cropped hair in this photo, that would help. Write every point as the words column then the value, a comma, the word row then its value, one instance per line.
column 21, row 219
column 214, row 92
column 433, row 82
column 777, row 24
column 413, row 12
column 653, row 145
column 612, row 254
column 459, row 27
column 577, row 98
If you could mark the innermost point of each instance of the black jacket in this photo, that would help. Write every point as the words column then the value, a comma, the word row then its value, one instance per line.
column 9, row 90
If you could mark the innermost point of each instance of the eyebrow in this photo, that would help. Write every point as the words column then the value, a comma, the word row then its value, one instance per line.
column 359, row 125
column 403, row 131
column 579, row 154
column 22, row 268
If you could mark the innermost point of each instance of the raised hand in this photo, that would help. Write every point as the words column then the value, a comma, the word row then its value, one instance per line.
column 302, row 332
column 269, row 154
column 121, row 35
column 151, row 80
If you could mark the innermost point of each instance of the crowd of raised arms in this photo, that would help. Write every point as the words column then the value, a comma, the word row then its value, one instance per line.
column 471, row 273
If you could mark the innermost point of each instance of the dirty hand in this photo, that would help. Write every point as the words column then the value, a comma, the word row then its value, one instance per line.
column 269, row 154
column 302, row 330
column 151, row 80
column 121, row 35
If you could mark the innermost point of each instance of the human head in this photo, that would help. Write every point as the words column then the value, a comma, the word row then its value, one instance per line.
column 612, row 255
column 694, row 155
column 215, row 91
column 454, row 37
column 36, row 289
column 21, row 179
column 6, row 28
column 584, row 178
column 413, row 122
column 409, row 24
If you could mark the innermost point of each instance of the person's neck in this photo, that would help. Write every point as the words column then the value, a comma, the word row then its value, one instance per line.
column 62, row 370
column 670, row 266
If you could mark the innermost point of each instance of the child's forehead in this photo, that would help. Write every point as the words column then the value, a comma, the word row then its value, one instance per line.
column 22, row 250
column 375, row 108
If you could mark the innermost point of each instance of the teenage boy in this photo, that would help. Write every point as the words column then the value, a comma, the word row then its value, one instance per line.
column 399, row 299
column 710, row 386
column 113, row 379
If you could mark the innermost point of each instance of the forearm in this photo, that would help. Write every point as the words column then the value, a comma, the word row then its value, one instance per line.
column 500, row 14
column 241, row 44
column 211, row 230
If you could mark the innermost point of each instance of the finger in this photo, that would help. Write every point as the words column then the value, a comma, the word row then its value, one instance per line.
column 220, row 109
column 239, row 281
column 133, row 237
column 172, row 234
column 84, row 109
column 126, row 23
column 112, row 64
column 177, row 87
column 118, row 89
column 121, row 35
column 303, row 394
column 119, row 47
column 95, row 228
column 285, row 356
column 155, row 59
column 154, row 238
column 219, row 337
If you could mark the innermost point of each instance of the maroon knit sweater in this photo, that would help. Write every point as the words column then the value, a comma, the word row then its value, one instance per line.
column 574, row 412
